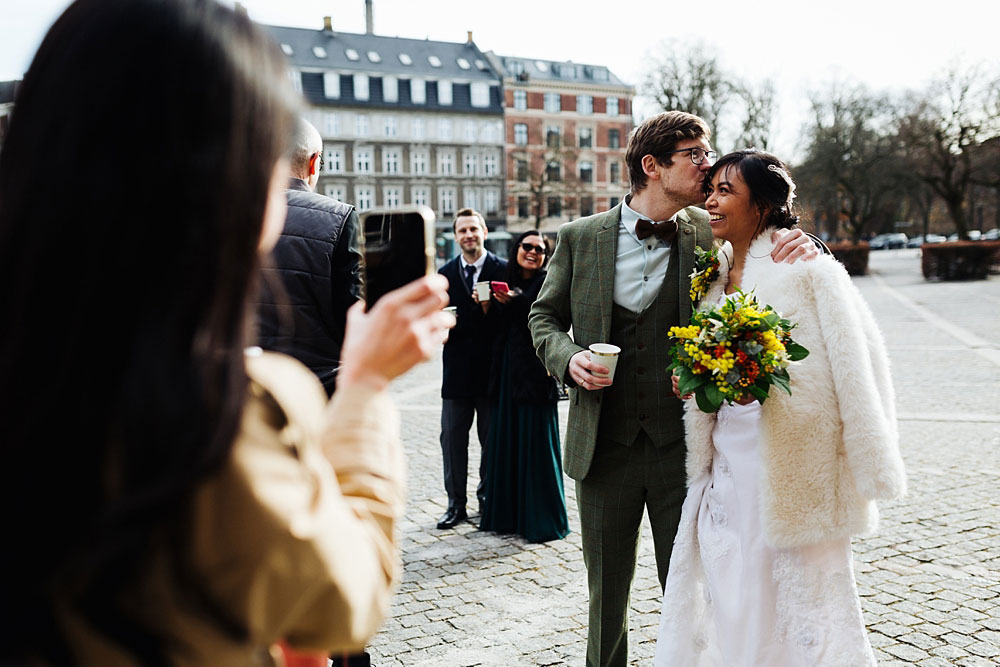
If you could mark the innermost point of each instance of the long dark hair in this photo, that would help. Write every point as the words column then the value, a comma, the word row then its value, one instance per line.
column 133, row 185
column 514, row 277
column 769, row 181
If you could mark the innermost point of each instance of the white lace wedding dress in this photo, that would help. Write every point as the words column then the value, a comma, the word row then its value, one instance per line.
column 731, row 600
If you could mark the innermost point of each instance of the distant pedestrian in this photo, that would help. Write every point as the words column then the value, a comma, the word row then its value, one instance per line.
column 524, row 478
column 467, row 358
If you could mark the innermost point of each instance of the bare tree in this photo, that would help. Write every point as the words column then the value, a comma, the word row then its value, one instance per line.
column 758, row 113
column 690, row 79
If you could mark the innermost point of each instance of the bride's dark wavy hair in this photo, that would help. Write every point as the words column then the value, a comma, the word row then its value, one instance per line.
column 133, row 185
column 770, row 183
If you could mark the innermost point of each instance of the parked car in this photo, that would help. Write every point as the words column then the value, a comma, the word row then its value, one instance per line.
column 888, row 241
column 918, row 241
column 992, row 235
column 974, row 235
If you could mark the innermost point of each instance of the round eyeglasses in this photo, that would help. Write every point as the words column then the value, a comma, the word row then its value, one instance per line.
column 697, row 154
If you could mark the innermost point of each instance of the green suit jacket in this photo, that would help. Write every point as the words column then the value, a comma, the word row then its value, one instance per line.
column 578, row 294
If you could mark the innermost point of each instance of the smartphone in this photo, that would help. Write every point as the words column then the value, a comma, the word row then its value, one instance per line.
column 397, row 247
column 498, row 286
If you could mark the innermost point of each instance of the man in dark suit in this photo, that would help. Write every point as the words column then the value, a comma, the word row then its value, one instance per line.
column 623, row 277
column 467, row 355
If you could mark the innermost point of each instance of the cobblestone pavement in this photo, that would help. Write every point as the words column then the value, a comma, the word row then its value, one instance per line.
column 929, row 579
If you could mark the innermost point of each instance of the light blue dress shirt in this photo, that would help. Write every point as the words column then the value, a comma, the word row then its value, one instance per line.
column 640, row 266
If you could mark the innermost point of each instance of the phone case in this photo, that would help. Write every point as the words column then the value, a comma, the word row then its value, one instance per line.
column 499, row 286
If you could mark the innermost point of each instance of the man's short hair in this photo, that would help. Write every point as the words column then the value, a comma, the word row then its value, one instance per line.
column 657, row 136
column 305, row 143
column 465, row 212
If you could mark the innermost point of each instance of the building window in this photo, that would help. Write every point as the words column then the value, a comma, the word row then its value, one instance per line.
column 585, row 104
column 390, row 126
column 521, row 100
column 612, row 106
column 364, row 197
column 470, row 198
column 586, row 137
column 553, row 171
column 490, row 164
column 434, row 61
column 446, row 163
column 393, row 197
column 390, row 161
column 554, row 206
column 374, row 57
column 470, row 166
column 520, row 134
column 613, row 139
column 444, row 92
column 616, row 172
column 362, row 161
column 586, row 172
column 417, row 128
column 490, row 131
column 586, row 206
column 418, row 91
column 553, row 103
column 613, row 202
column 446, row 199
column 361, row 86
column 480, row 94
column 523, row 207
column 331, row 85
column 492, row 201
column 552, row 136
column 390, row 89
column 361, row 125
column 296, row 78
column 334, row 158
column 444, row 129
column 338, row 192
column 418, row 163
column 470, row 131
column 522, row 171
column 405, row 59
column 421, row 196
column 351, row 54
column 463, row 63
column 331, row 124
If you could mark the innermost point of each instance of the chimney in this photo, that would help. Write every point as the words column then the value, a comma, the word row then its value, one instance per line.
column 369, row 22
column 327, row 24
column 468, row 39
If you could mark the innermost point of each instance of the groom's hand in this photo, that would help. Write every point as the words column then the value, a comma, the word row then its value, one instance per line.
column 582, row 370
column 792, row 245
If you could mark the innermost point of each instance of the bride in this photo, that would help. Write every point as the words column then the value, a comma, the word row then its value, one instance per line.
column 761, row 570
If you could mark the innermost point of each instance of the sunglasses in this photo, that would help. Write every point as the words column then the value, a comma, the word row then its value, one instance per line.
column 530, row 247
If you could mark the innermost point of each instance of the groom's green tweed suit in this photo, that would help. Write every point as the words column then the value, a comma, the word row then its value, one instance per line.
column 635, row 425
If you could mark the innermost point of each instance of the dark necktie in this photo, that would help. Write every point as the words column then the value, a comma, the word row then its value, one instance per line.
column 665, row 231
column 470, row 271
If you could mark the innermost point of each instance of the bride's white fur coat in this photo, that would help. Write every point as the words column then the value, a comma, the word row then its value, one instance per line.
column 832, row 447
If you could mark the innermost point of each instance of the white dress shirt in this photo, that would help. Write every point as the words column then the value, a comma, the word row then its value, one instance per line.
column 478, row 264
column 640, row 266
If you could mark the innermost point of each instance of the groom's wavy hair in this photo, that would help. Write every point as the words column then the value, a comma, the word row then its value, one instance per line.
column 657, row 136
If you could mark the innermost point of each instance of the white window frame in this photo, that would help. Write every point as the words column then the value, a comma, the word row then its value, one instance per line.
column 364, row 197
column 334, row 158
column 444, row 92
column 492, row 200
column 479, row 92
column 446, row 163
column 521, row 100
column 361, row 88
column 470, row 198
column 390, row 126
column 553, row 102
column 418, row 130
column 335, row 191
column 470, row 131
column 390, row 89
column 392, row 196
column 331, row 85
column 446, row 200
column 418, row 91
column 585, row 104
column 421, row 195
column 469, row 164
column 490, row 163
column 520, row 132
column 445, row 129
column 363, row 158
column 361, row 125
column 612, row 106
column 331, row 123
column 419, row 160
column 391, row 160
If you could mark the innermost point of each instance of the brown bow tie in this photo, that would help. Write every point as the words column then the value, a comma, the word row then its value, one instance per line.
column 665, row 231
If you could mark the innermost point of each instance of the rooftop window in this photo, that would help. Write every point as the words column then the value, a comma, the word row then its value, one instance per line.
column 319, row 52
column 481, row 65
column 541, row 66
column 374, row 57
column 405, row 59
column 463, row 63
column 434, row 61
column 351, row 54
column 287, row 49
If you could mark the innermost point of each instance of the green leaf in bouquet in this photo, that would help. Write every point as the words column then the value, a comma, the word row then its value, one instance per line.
column 780, row 378
column 688, row 382
column 772, row 319
column 751, row 347
column 795, row 351
column 758, row 393
column 706, row 398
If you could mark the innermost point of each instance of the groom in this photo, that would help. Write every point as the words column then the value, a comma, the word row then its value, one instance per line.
column 622, row 277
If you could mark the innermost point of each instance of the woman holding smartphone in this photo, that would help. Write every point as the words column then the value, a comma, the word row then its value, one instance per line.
column 524, row 485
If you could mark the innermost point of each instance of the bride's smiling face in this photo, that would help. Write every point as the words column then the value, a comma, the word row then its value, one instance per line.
column 733, row 216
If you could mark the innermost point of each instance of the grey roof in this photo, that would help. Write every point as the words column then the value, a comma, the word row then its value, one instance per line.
column 564, row 71
column 302, row 41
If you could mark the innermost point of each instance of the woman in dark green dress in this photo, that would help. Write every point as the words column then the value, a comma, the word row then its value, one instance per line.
column 524, row 480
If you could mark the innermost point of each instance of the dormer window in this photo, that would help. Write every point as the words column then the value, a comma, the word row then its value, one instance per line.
column 480, row 65
column 541, row 66
column 374, row 57
column 405, row 59
column 434, row 61
column 351, row 54
column 463, row 63
column 319, row 52
column 287, row 50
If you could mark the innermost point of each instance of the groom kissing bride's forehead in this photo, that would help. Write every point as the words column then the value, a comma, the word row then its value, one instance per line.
column 623, row 277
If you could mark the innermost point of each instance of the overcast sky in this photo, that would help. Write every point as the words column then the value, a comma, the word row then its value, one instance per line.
column 885, row 44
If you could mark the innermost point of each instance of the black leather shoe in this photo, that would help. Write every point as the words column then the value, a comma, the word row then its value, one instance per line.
column 451, row 517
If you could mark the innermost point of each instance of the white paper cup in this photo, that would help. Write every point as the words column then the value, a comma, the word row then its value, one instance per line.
column 451, row 309
column 482, row 291
column 605, row 354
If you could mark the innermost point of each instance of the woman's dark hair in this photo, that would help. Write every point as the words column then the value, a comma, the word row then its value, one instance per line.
column 771, row 187
column 133, row 185
column 514, row 277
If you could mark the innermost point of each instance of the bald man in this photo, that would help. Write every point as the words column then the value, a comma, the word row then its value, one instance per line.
column 319, row 265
